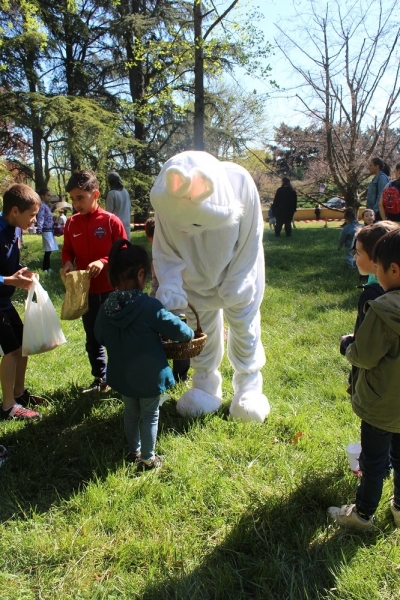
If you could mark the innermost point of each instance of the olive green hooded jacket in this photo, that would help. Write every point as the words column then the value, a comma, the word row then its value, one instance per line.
column 376, row 353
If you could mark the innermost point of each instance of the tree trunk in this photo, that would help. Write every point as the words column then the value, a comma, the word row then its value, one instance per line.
column 198, row 140
column 70, row 68
column 36, row 129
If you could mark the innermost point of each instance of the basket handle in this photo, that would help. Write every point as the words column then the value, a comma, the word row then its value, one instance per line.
column 198, row 328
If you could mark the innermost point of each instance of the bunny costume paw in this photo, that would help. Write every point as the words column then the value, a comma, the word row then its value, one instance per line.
column 249, row 403
column 204, row 397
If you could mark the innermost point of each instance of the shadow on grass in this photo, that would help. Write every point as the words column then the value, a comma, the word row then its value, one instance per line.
column 82, row 439
column 276, row 550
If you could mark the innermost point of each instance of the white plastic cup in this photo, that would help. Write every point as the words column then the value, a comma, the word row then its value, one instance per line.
column 353, row 454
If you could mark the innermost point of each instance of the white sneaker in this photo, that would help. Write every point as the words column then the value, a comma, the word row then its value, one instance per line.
column 395, row 513
column 347, row 516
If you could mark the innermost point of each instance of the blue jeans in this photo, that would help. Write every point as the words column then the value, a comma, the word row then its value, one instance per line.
column 141, row 424
column 377, row 446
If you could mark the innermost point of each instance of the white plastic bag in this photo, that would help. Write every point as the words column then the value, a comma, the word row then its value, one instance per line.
column 42, row 328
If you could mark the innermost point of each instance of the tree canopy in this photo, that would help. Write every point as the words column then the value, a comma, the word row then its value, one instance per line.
column 111, row 84
column 345, row 57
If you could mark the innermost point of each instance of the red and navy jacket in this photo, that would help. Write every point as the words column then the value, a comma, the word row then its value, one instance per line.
column 88, row 238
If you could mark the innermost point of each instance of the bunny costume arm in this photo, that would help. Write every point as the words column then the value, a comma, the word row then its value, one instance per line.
column 245, row 277
column 170, row 293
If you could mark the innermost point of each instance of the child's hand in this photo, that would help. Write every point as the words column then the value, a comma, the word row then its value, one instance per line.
column 94, row 269
column 68, row 267
column 21, row 279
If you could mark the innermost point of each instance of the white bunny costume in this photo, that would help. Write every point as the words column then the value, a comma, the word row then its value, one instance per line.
column 208, row 250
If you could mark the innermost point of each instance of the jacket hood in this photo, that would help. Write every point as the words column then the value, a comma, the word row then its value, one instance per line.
column 387, row 307
column 124, row 307
column 115, row 180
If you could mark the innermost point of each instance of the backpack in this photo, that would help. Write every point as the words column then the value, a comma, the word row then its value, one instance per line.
column 391, row 200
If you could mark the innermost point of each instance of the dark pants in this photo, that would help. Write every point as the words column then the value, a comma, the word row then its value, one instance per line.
column 95, row 351
column 377, row 446
column 180, row 369
column 279, row 224
column 46, row 261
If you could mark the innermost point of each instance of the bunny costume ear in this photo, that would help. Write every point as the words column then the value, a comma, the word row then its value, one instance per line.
column 196, row 186
column 177, row 182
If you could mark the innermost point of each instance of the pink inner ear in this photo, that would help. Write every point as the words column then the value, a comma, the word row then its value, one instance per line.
column 176, row 183
column 198, row 186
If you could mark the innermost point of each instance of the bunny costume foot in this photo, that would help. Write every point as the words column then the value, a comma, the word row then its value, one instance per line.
column 204, row 397
column 249, row 403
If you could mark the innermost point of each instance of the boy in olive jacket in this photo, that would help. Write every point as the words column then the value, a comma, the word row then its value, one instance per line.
column 376, row 353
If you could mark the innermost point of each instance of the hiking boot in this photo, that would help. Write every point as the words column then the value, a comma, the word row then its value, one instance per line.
column 395, row 513
column 133, row 457
column 18, row 412
column 156, row 464
column 347, row 516
column 28, row 399
column 98, row 385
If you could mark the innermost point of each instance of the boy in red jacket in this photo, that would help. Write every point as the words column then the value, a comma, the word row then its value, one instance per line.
column 88, row 237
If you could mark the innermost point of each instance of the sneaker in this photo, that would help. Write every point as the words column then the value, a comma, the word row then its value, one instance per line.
column 156, row 464
column 18, row 412
column 98, row 385
column 395, row 513
column 28, row 399
column 347, row 516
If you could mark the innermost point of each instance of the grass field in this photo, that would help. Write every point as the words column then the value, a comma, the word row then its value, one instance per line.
column 238, row 511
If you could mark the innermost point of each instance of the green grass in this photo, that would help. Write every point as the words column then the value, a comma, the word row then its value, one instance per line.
column 238, row 510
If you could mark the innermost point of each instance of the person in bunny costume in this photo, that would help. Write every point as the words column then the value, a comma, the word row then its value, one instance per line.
column 208, row 251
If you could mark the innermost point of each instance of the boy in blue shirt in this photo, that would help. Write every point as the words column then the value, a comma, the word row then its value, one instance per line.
column 20, row 206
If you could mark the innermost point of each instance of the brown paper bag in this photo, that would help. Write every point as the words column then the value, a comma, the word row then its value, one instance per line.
column 76, row 300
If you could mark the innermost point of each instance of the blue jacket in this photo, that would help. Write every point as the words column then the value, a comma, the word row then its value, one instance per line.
column 375, row 190
column 129, row 325
column 347, row 234
column 9, row 259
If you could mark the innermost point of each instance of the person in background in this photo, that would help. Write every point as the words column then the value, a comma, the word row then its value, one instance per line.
column 284, row 206
column 130, row 325
column 368, row 216
column 393, row 184
column 379, row 182
column 62, row 219
column 118, row 202
column 271, row 219
column 347, row 235
column 45, row 227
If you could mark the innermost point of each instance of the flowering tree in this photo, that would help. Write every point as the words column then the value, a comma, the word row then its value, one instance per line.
column 346, row 57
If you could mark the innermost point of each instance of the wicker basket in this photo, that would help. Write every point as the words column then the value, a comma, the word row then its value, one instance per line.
column 182, row 350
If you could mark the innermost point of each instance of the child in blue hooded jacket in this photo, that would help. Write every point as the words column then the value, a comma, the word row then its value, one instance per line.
column 129, row 325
